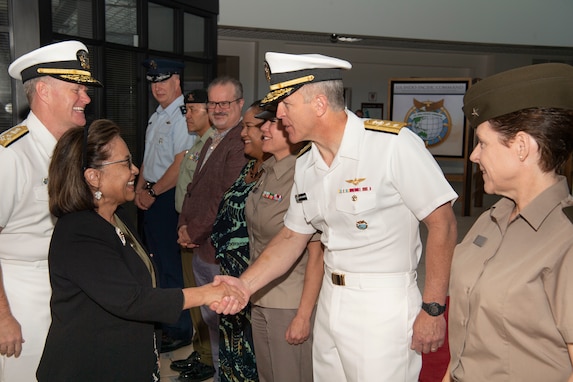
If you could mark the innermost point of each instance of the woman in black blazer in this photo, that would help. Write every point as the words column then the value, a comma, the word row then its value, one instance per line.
column 105, row 304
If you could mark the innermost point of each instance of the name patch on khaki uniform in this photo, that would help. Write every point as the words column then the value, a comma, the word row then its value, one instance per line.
column 383, row 126
column 12, row 135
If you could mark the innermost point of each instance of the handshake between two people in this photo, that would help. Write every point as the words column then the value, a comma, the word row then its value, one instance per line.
column 233, row 295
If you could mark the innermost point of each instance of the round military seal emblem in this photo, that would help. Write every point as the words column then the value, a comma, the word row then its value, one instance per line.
column 430, row 120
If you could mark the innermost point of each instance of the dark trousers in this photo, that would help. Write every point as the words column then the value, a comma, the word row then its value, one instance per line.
column 201, row 341
column 160, row 228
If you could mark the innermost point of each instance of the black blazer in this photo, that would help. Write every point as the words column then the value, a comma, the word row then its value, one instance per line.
column 104, row 308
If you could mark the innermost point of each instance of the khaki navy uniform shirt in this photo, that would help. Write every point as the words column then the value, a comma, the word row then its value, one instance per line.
column 265, row 209
column 511, row 290
column 187, row 169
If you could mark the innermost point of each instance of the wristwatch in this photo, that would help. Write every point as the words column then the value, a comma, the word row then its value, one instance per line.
column 150, row 190
column 433, row 308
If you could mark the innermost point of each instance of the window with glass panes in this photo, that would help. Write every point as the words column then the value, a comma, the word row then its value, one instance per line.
column 120, row 34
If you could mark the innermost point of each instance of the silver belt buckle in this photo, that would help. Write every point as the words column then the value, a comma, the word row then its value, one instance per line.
column 338, row 279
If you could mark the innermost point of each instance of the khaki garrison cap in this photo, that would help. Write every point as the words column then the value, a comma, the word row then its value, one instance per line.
column 287, row 73
column 67, row 61
column 196, row 96
column 542, row 85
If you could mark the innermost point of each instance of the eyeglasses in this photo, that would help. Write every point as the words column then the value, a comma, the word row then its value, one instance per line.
column 222, row 104
column 127, row 160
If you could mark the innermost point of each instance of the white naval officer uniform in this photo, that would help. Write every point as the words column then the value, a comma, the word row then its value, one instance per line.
column 25, row 239
column 368, row 205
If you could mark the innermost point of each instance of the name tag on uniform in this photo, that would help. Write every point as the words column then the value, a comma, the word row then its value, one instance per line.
column 480, row 240
column 300, row 197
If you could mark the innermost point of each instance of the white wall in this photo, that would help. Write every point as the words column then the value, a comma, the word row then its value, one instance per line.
column 520, row 22
column 372, row 68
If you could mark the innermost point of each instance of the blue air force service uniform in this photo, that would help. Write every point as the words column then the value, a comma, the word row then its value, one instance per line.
column 165, row 137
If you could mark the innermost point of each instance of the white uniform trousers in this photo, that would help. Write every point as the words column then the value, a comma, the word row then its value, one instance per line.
column 27, row 286
column 363, row 329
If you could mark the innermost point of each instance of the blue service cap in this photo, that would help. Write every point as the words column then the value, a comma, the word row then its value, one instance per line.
column 160, row 70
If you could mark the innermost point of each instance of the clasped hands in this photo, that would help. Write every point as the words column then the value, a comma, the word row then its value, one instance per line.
column 183, row 238
column 143, row 200
column 236, row 297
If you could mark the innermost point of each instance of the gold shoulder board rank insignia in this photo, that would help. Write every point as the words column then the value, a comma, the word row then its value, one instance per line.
column 304, row 150
column 383, row 126
column 12, row 135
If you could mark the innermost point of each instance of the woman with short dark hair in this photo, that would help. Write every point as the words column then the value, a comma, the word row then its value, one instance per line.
column 511, row 316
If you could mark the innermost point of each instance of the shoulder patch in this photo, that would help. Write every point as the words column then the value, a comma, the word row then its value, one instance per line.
column 568, row 211
column 383, row 126
column 304, row 150
column 12, row 135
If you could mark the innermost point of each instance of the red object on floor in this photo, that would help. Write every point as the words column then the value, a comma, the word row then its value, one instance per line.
column 434, row 365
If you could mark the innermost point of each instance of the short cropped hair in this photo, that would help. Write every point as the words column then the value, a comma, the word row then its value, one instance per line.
column 551, row 128
column 333, row 90
column 224, row 80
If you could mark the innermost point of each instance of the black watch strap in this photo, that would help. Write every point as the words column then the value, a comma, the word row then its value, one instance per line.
column 433, row 308
column 150, row 190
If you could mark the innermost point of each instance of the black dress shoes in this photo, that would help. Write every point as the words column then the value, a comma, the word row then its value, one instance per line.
column 187, row 363
column 200, row 373
column 170, row 344
column 192, row 370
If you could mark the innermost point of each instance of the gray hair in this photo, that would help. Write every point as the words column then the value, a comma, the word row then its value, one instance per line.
column 333, row 90
column 224, row 80
column 30, row 88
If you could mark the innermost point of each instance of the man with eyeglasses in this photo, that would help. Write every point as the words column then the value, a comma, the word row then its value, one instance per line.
column 218, row 166
column 166, row 141
column 56, row 79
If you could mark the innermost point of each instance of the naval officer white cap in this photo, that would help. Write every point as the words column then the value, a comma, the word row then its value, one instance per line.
column 287, row 73
column 67, row 61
